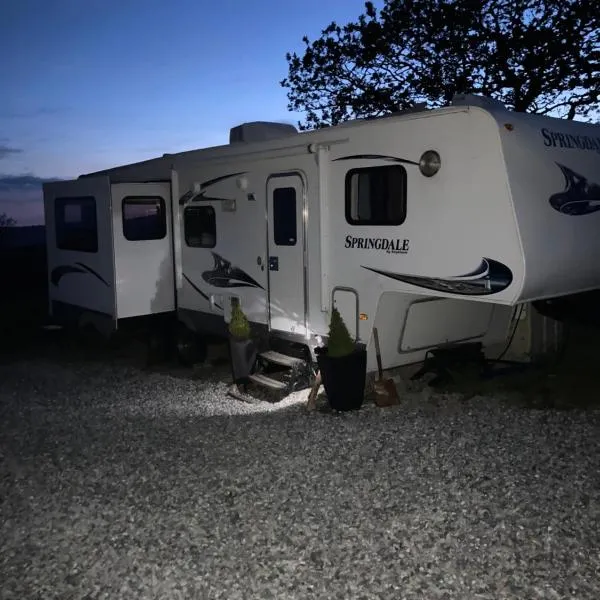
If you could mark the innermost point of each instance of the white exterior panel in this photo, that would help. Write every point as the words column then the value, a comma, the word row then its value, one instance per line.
column 144, row 267
column 80, row 245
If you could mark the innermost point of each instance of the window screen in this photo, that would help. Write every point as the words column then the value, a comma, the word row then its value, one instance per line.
column 76, row 224
column 200, row 226
column 144, row 218
column 284, row 216
column 376, row 196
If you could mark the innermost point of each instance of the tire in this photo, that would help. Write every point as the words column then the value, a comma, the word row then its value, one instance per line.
column 191, row 348
column 156, row 348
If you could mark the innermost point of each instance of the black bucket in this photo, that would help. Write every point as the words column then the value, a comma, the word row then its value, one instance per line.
column 344, row 378
column 243, row 359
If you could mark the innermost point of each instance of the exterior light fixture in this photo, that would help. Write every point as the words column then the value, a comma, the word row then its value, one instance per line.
column 430, row 163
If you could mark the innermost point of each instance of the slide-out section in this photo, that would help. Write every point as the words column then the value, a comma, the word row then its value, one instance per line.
column 80, row 247
column 143, row 240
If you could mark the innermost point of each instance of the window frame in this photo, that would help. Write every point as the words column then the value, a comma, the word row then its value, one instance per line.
column 348, row 196
column 60, row 225
column 163, row 212
column 273, row 202
column 192, row 207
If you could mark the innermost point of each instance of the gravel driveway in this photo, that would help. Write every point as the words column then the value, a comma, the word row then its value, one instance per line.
column 115, row 483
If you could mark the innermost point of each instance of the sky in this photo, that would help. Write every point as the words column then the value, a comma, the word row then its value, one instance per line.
column 87, row 85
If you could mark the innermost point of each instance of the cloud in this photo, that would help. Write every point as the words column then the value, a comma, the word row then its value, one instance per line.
column 42, row 111
column 21, row 183
column 8, row 150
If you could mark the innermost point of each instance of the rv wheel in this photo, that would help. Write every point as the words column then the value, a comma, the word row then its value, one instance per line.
column 156, row 347
column 191, row 348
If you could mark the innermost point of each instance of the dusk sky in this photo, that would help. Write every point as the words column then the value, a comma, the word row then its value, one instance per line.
column 92, row 84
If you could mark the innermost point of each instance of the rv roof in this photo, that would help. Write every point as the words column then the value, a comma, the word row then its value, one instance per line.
column 325, row 133
column 263, row 135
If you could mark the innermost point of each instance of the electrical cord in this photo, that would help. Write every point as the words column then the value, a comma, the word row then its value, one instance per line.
column 511, row 337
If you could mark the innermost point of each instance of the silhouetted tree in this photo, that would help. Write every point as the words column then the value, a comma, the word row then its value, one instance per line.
column 5, row 221
column 539, row 56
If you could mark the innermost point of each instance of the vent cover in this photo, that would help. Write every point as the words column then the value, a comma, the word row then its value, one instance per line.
column 260, row 131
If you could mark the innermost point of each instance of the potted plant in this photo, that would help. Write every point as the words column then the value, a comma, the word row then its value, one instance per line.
column 242, row 347
column 343, row 366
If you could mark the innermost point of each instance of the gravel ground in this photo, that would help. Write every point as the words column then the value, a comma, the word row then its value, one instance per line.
column 115, row 483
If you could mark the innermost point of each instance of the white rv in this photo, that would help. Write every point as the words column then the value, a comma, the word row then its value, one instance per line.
column 431, row 225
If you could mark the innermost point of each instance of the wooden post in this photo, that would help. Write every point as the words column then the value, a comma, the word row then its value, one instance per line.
column 312, row 397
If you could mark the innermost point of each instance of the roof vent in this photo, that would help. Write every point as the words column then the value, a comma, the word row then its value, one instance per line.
column 477, row 100
column 260, row 131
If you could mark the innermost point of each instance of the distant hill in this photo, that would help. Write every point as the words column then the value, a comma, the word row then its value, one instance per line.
column 23, row 237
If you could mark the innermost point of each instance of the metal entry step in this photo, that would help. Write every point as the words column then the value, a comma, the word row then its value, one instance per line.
column 265, row 381
column 281, row 359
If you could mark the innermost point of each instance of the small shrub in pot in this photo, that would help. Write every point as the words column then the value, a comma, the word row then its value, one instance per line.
column 242, row 346
column 343, row 366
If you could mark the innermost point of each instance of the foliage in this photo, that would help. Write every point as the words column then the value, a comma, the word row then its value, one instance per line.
column 339, row 343
column 6, row 221
column 539, row 56
column 239, row 327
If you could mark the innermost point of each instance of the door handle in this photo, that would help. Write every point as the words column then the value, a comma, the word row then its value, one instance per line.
column 273, row 263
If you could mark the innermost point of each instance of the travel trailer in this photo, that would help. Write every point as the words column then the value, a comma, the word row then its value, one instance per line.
column 431, row 225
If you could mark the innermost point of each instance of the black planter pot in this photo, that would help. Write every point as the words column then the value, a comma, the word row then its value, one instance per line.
column 344, row 378
column 243, row 358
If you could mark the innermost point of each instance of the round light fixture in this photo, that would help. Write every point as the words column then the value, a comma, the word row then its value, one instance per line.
column 430, row 163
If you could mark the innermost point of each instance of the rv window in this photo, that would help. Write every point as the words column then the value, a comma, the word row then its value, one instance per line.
column 200, row 227
column 76, row 224
column 376, row 196
column 144, row 218
column 284, row 216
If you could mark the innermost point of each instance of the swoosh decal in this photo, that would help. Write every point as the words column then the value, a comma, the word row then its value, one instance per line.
column 226, row 275
column 205, row 296
column 393, row 159
column 205, row 185
column 490, row 277
column 59, row 272
column 210, row 182
column 94, row 273
column 580, row 196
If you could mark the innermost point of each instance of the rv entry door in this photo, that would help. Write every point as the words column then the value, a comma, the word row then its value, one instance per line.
column 286, row 264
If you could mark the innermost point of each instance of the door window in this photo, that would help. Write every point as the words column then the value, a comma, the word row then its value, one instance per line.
column 284, row 216
column 144, row 218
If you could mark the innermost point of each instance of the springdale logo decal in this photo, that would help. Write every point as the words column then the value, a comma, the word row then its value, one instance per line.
column 556, row 139
column 388, row 245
